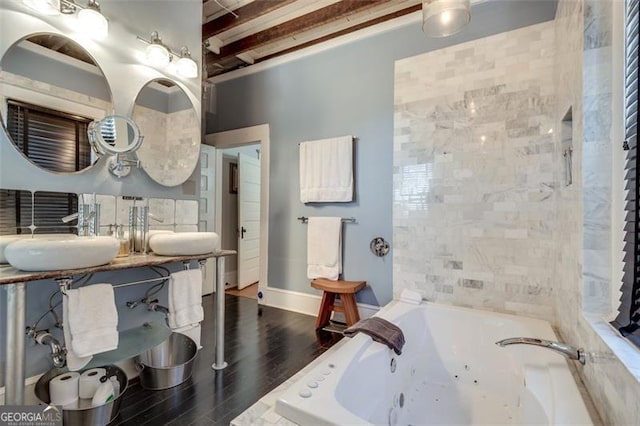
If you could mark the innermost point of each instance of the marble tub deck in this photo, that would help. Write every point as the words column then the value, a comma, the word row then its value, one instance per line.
column 263, row 411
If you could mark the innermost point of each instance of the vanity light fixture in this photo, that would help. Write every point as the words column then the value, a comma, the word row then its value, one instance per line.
column 442, row 18
column 160, row 55
column 44, row 7
column 157, row 53
column 91, row 21
column 186, row 67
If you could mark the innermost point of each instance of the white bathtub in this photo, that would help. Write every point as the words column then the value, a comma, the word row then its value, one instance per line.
column 450, row 372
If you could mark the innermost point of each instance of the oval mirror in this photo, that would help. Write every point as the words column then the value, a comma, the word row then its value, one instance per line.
column 51, row 89
column 114, row 134
column 171, row 128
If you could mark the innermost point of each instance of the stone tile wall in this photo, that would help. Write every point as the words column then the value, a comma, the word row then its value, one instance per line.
column 474, row 173
column 171, row 145
column 483, row 214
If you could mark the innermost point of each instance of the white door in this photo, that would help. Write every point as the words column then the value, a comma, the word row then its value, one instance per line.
column 207, row 210
column 248, row 220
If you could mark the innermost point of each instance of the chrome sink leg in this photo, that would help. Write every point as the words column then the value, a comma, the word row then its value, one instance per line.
column 15, row 355
column 219, row 363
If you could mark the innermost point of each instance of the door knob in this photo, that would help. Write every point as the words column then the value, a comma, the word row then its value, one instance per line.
column 242, row 231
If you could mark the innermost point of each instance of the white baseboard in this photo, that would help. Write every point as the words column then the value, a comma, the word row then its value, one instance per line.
column 304, row 303
column 230, row 279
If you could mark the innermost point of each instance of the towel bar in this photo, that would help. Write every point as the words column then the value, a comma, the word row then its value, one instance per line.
column 305, row 219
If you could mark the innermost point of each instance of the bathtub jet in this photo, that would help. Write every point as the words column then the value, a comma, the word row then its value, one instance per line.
column 568, row 351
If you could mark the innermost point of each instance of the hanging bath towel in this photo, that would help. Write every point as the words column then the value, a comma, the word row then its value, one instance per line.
column 324, row 247
column 326, row 170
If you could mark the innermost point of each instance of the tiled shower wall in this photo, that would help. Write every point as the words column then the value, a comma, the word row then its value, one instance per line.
column 464, row 196
column 584, row 45
column 171, row 143
column 474, row 173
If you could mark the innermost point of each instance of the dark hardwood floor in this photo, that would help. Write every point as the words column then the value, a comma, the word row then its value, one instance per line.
column 264, row 346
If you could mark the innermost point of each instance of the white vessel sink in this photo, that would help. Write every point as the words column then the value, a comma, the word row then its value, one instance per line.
column 184, row 243
column 6, row 239
column 53, row 254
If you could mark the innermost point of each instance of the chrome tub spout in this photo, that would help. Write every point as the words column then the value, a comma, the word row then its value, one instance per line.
column 563, row 349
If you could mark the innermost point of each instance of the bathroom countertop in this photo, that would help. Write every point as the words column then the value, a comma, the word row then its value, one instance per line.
column 10, row 275
column 263, row 411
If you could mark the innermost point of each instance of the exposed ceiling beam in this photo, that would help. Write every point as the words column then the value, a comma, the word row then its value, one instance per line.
column 245, row 14
column 331, row 13
column 345, row 31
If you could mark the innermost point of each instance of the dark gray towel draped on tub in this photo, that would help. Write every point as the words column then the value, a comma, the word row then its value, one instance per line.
column 381, row 331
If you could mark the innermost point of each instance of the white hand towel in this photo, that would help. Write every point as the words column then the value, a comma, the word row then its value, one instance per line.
column 324, row 247
column 93, row 319
column 326, row 170
column 185, row 298
column 74, row 362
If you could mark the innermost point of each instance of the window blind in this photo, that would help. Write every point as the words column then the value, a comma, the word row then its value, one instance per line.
column 53, row 140
column 628, row 319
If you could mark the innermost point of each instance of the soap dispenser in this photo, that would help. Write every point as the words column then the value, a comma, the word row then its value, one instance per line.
column 123, row 239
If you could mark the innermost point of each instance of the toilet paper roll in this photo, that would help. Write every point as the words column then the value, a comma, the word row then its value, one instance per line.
column 63, row 389
column 89, row 382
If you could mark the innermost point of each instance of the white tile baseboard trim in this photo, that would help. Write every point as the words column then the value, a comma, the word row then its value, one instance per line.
column 304, row 303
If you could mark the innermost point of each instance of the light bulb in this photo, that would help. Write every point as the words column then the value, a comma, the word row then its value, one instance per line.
column 442, row 18
column 158, row 55
column 445, row 17
column 44, row 7
column 93, row 23
column 186, row 66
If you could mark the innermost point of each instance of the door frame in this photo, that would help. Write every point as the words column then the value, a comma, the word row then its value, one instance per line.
column 239, row 137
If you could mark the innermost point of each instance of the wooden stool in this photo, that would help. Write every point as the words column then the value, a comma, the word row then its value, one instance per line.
column 346, row 290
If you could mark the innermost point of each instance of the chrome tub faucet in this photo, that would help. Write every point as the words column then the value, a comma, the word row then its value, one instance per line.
column 568, row 351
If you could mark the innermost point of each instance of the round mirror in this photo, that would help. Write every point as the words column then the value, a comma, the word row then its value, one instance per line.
column 51, row 90
column 114, row 134
column 171, row 128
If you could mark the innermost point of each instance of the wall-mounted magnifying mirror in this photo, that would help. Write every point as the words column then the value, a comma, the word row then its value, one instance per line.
column 115, row 134
column 118, row 136
column 51, row 89
column 171, row 127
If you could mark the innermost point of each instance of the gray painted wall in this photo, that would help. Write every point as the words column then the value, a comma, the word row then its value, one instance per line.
column 159, row 100
column 30, row 64
column 127, row 19
column 345, row 90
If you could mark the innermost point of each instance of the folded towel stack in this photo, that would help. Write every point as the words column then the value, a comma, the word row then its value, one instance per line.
column 326, row 170
column 90, row 322
column 381, row 331
column 185, row 298
column 324, row 248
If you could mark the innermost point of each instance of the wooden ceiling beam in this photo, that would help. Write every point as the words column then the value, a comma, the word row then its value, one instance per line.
column 345, row 31
column 331, row 13
column 246, row 13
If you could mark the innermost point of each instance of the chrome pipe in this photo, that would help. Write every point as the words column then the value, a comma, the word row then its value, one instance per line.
column 57, row 353
column 150, row 280
column 219, row 362
column 570, row 352
column 15, row 355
